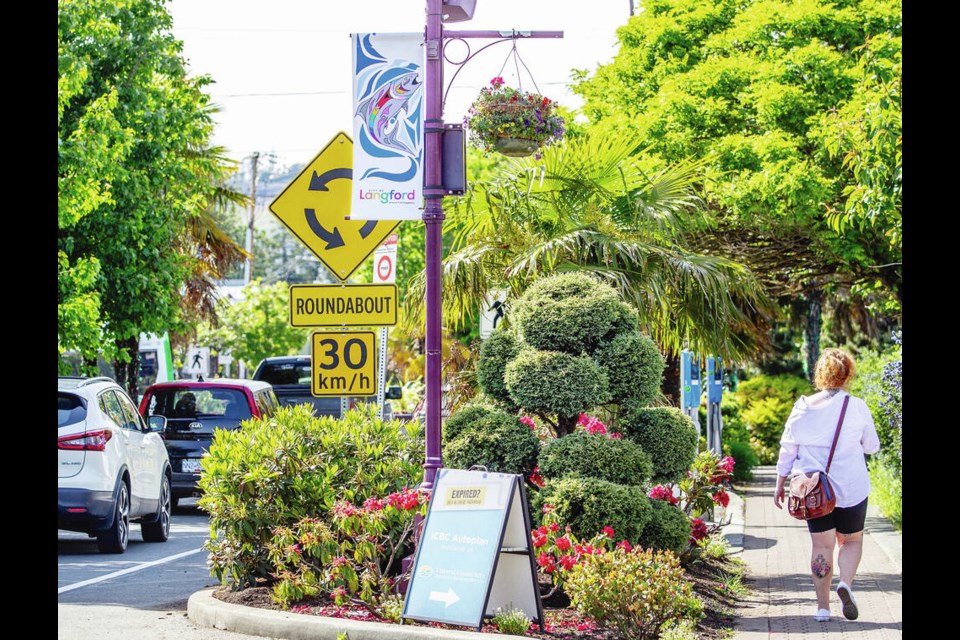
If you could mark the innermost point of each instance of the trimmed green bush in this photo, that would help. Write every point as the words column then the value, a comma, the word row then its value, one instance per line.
column 634, row 367
column 497, row 440
column 570, row 312
column 276, row 471
column 495, row 352
column 590, row 504
column 667, row 435
column 636, row 592
column 556, row 383
column 586, row 455
column 465, row 417
column 669, row 528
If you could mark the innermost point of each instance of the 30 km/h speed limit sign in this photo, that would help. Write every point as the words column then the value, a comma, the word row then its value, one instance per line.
column 344, row 363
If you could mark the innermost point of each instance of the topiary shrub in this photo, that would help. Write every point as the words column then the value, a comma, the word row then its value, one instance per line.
column 588, row 505
column 635, row 592
column 495, row 352
column 276, row 471
column 551, row 382
column 634, row 367
column 668, row 528
column 584, row 455
column 496, row 440
column 667, row 435
column 465, row 417
column 570, row 312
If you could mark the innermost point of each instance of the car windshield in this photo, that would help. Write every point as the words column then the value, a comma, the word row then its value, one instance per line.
column 282, row 373
column 186, row 403
column 70, row 409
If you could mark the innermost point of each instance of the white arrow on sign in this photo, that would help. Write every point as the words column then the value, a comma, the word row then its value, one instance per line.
column 448, row 598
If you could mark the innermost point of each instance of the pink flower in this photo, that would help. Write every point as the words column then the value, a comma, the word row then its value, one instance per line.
column 535, row 477
column 591, row 425
column 373, row 504
column 554, row 527
column 625, row 545
column 616, row 435
column 529, row 422
column 568, row 562
column 547, row 508
column 698, row 530
column 660, row 492
column 721, row 498
column 609, row 531
column 538, row 540
column 563, row 543
column 497, row 82
column 544, row 559
column 343, row 509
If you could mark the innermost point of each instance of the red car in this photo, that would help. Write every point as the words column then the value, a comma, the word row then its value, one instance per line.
column 194, row 410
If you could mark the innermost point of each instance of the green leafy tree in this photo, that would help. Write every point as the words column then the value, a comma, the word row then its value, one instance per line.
column 258, row 326
column 591, row 204
column 136, row 176
column 795, row 109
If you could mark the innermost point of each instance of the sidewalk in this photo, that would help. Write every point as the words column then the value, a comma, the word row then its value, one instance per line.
column 776, row 550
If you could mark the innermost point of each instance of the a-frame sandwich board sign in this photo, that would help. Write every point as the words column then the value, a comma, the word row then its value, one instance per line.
column 475, row 553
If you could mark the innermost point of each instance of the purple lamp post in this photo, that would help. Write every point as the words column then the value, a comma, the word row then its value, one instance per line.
column 433, row 192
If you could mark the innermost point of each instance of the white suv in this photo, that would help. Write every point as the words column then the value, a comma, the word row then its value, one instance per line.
column 112, row 468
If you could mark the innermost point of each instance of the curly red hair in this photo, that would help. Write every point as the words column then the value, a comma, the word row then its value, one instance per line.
column 834, row 369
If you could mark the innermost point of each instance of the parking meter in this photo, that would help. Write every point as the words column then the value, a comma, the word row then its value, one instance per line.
column 690, row 387
column 690, row 380
column 714, row 396
column 714, row 379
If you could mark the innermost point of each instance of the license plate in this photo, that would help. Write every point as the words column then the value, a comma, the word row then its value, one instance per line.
column 191, row 465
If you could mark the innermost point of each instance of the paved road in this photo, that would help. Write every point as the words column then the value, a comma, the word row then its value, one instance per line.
column 142, row 593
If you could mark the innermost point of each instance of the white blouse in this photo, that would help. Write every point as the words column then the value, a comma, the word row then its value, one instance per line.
column 808, row 433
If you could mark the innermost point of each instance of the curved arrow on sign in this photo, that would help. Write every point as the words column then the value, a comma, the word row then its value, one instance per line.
column 319, row 182
column 332, row 238
column 368, row 228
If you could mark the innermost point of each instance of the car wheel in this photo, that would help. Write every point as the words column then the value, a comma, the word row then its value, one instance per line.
column 115, row 539
column 158, row 530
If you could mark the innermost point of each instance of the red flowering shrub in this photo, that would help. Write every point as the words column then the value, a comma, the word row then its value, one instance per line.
column 354, row 556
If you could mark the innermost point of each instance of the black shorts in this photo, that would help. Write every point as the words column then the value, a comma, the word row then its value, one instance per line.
column 844, row 519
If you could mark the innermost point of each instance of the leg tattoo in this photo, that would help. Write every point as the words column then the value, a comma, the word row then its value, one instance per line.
column 820, row 566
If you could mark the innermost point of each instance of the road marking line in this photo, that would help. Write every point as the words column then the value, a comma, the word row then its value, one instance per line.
column 145, row 565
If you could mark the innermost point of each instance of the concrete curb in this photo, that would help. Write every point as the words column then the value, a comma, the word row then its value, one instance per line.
column 205, row 610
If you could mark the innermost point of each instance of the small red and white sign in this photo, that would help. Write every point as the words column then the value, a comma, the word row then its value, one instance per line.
column 385, row 261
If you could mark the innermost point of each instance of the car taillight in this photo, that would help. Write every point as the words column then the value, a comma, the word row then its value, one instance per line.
column 90, row 441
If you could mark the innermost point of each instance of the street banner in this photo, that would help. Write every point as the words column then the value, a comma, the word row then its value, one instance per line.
column 388, row 106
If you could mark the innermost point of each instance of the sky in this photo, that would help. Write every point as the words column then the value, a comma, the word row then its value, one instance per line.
column 281, row 69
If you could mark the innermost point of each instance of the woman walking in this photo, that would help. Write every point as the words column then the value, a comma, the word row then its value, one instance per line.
column 804, row 447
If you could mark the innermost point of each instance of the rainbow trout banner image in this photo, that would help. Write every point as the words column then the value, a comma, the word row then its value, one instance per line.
column 388, row 105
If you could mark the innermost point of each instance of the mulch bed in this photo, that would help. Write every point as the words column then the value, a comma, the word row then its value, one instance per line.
column 561, row 622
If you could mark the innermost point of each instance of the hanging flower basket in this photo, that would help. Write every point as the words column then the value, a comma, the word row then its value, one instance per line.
column 512, row 122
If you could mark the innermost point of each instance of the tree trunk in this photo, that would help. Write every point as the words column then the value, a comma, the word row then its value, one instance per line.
column 811, row 332
column 127, row 372
column 670, row 387
column 566, row 425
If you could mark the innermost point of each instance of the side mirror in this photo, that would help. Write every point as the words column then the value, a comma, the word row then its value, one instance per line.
column 157, row 424
column 393, row 393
